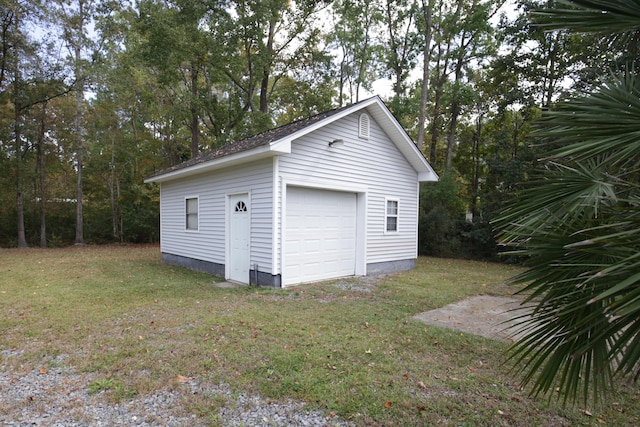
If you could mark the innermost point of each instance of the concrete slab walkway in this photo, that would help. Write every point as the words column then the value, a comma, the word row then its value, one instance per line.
column 485, row 315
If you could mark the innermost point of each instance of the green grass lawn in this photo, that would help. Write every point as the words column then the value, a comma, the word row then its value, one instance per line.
column 348, row 347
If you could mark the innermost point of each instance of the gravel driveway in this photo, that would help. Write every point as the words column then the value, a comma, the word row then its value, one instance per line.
column 60, row 397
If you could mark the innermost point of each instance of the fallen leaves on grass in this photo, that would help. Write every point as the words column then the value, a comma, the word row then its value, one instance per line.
column 182, row 379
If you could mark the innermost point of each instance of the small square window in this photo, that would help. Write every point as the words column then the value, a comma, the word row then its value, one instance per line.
column 391, row 216
column 191, row 209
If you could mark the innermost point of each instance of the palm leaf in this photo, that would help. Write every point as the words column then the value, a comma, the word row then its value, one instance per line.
column 592, row 16
column 577, row 225
column 578, row 222
column 605, row 123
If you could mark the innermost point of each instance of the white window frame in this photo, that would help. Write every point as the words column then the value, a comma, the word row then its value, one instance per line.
column 387, row 215
column 187, row 213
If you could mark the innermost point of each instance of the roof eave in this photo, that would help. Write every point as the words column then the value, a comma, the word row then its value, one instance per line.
column 265, row 151
column 427, row 176
column 283, row 146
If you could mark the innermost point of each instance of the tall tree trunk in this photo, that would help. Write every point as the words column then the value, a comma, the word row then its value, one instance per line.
column 78, row 125
column 5, row 29
column 455, row 111
column 400, row 50
column 364, row 60
column 266, row 72
column 441, row 79
column 17, row 119
column 120, row 215
column 41, row 172
column 435, row 124
column 341, row 81
column 22, row 238
column 551, row 72
column 475, row 179
column 195, row 118
column 516, row 137
column 264, row 90
column 112, row 196
column 76, row 34
column 451, row 136
column 426, row 54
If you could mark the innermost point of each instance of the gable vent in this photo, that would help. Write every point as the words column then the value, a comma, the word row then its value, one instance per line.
column 363, row 126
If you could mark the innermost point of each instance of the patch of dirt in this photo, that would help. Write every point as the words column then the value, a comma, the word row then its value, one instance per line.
column 229, row 285
column 489, row 316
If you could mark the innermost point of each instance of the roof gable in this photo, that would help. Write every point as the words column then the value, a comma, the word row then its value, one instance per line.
column 278, row 141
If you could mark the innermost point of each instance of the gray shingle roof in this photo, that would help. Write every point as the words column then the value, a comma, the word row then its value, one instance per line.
column 263, row 138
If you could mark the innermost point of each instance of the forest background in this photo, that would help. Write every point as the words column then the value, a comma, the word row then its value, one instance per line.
column 95, row 95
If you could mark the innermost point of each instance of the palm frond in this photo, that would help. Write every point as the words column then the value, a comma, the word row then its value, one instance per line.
column 591, row 16
column 605, row 123
column 577, row 225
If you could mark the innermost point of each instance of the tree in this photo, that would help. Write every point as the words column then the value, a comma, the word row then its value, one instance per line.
column 27, row 80
column 441, row 208
column 75, row 19
column 354, row 37
column 172, row 44
column 536, row 64
column 42, row 128
column 427, row 13
column 265, row 43
column 474, row 42
column 401, row 47
column 16, row 47
column 578, row 224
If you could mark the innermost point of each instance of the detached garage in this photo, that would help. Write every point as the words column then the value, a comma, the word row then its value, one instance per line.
column 334, row 195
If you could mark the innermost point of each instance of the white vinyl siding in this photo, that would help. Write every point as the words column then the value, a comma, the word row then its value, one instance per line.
column 213, row 189
column 374, row 164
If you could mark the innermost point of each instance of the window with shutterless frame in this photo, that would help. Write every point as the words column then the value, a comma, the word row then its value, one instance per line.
column 191, row 205
column 391, row 216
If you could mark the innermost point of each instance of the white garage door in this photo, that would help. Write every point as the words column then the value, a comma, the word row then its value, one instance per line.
column 320, row 235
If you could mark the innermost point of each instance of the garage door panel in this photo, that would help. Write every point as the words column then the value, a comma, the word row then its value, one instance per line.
column 320, row 235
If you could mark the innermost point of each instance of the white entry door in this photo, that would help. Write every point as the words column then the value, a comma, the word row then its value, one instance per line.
column 320, row 235
column 239, row 237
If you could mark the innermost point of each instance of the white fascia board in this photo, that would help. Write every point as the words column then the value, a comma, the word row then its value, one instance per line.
column 427, row 176
column 281, row 146
column 257, row 153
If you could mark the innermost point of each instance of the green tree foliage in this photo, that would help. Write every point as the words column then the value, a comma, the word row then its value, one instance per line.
column 74, row 18
column 355, row 38
column 510, row 158
column 156, row 82
column 402, row 44
column 577, row 225
column 441, row 209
